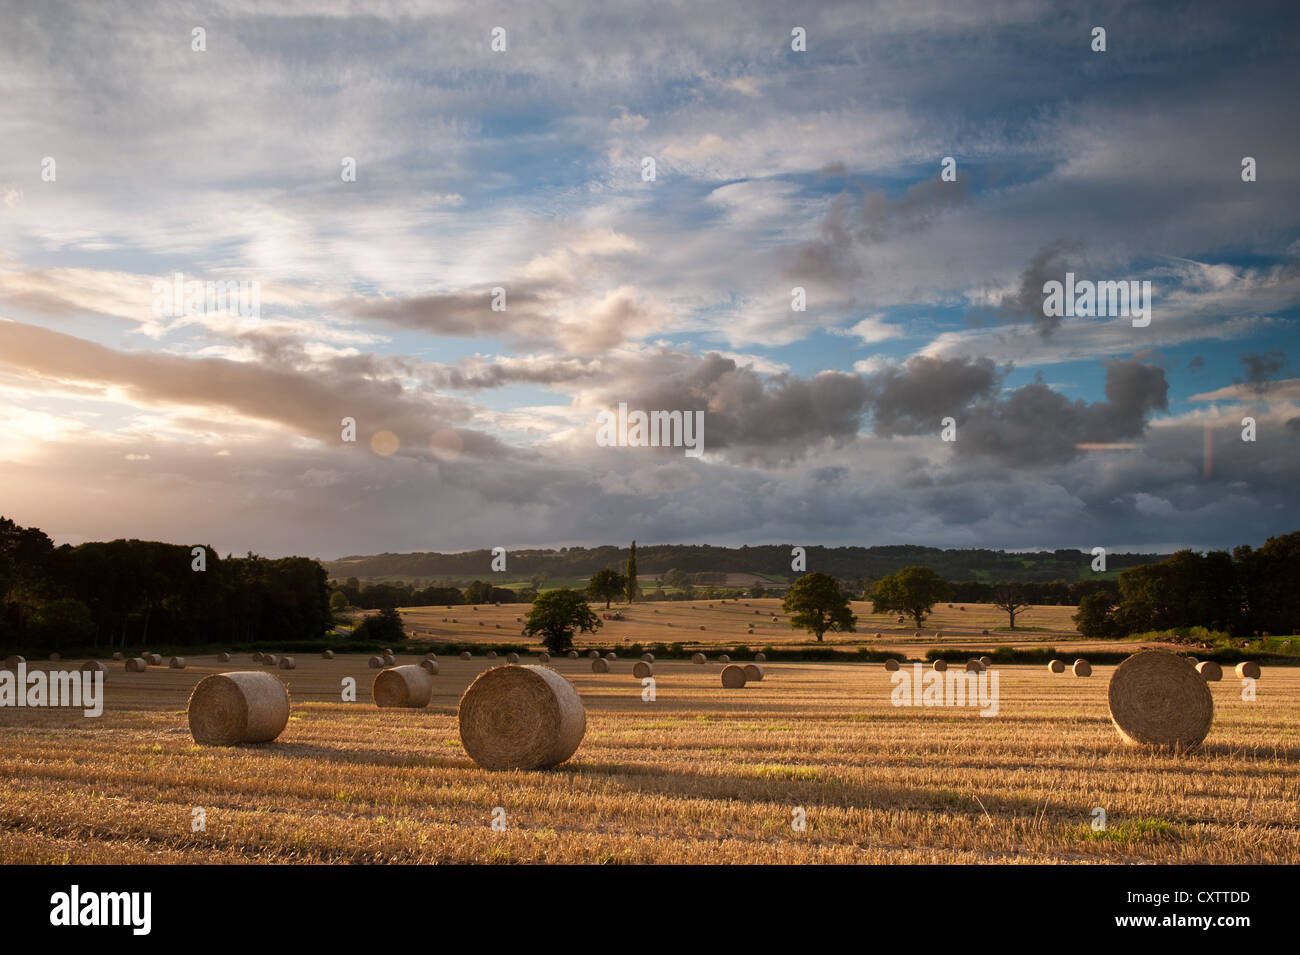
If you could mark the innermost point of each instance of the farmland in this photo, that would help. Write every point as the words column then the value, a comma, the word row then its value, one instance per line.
column 700, row 774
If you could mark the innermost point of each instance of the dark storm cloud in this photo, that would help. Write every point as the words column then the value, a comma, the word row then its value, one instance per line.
column 915, row 398
column 1026, row 302
column 1262, row 370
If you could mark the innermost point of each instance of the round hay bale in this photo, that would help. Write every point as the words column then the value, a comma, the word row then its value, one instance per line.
column 611, row 656
column 1156, row 699
column 973, row 665
column 648, row 657
column 724, row 658
column 543, row 657
column 408, row 687
column 573, row 654
column 986, row 662
column 94, row 666
column 431, row 655
column 1081, row 667
column 491, row 654
column 327, row 655
column 760, row 657
column 526, row 717
column 11, row 663
column 1056, row 666
column 939, row 666
column 916, row 633
column 701, row 626
column 257, row 656
column 641, row 669
column 429, row 666
column 117, row 656
column 697, row 658
column 376, row 663
column 753, row 673
column 288, row 663
column 270, row 660
column 136, row 665
column 593, row 654
column 891, row 664
column 246, row 707
column 1247, row 670
column 176, row 663
column 223, row 657
column 512, row 658
column 1212, row 672
column 733, row 677
column 155, row 659
column 55, row 657
column 878, row 636
column 599, row 665
column 390, row 660
column 465, row 655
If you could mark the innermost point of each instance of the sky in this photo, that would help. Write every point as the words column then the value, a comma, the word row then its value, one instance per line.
column 374, row 171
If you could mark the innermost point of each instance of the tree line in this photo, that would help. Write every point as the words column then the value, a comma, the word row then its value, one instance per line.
column 115, row 594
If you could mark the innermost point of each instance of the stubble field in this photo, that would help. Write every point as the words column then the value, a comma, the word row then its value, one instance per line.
column 701, row 774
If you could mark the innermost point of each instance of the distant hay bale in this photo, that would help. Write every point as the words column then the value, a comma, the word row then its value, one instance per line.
column 117, row 656
column 1212, row 672
column 155, row 659
column 753, row 673
column 985, row 632
column 376, row 663
column 176, row 663
column 429, row 666
column 1056, row 666
column 878, row 636
column 702, row 626
column 648, row 657
column 573, row 654
column 245, row 707
column 404, row 687
column 641, row 669
column 465, row 655
column 760, row 657
column 270, row 659
column 136, row 665
column 544, row 657
column 973, row 665
column 55, row 657
column 327, row 655
column 512, row 658
column 593, row 654
column 223, row 657
column 599, row 665
column 389, row 660
column 733, row 677
column 1081, row 667
column 986, row 662
column 288, row 663
column 257, row 656
column 1247, row 670
column 891, row 664
column 94, row 666
column 11, row 663
column 724, row 658
column 697, row 658
column 1156, row 699
column 526, row 717
column 491, row 654
column 916, row 633
column 939, row 665
column 611, row 656
column 431, row 655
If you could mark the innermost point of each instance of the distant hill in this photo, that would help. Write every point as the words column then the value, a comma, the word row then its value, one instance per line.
column 769, row 560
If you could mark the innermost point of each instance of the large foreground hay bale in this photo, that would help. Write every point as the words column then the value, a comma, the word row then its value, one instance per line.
column 376, row 663
column 524, row 717
column 733, row 676
column 288, row 663
column 760, row 657
column 641, row 670
column 1247, row 670
column 891, row 664
column 409, row 687
column 223, row 657
column 753, row 673
column 599, row 665
column 136, row 665
column 1212, row 672
column 327, row 655
column 698, row 658
column 1056, row 666
column 244, row 707
column 176, row 663
column 429, row 666
column 938, row 666
column 1156, row 699
column 1081, row 667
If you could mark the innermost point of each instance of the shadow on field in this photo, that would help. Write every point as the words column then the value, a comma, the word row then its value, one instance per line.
column 368, row 757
